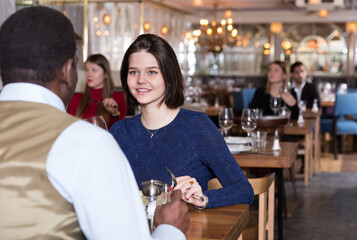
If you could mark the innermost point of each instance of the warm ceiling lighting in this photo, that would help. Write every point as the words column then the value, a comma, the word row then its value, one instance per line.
column 214, row 36
column 314, row 1
column 147, row 26
column 276, row 27
column 204, row 22
column 164, row 30
column 323, row 13
column 196, row 33
column 228, row 14
column 107, row 19
column 286, row 45
column 188, row 35
column 197, row 2
column 351, row 27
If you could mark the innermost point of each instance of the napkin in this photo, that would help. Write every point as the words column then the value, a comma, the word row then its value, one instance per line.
column 239, row 148
column 237, row 140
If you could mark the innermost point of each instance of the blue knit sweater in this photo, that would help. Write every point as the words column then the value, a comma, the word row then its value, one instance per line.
column 190, row 145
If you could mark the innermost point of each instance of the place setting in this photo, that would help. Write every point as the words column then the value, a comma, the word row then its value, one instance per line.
column 254, row 142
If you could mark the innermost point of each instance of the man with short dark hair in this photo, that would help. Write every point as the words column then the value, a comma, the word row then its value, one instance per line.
column 60, row 177
column 301, row 89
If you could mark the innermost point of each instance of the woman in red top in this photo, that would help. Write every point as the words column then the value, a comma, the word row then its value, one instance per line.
column 99, row 97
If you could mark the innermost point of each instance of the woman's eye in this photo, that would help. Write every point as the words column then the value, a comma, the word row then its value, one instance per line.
column 152, row 72
column 132, row 72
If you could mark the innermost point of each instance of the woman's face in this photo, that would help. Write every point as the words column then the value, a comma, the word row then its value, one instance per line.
column 94, row 75
column 145, row 80
column 275, row 74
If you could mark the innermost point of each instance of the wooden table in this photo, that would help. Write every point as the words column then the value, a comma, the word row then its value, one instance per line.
column 218, row 223
column 327, row 103
column 283, row 159
column 213, row 111
column 305, row 129
column 309, row 114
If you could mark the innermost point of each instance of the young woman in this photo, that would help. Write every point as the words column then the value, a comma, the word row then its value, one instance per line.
column 276, row 77
column 99, row 97
column 165, row 135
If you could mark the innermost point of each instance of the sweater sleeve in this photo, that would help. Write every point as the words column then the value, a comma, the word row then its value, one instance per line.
column 257, row 98
column 120, row 99
column 236, row 188
column 73, row 104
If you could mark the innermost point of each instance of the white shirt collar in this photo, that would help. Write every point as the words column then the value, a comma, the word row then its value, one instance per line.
column 29, row 92
column 299, row 90
column 302, row 85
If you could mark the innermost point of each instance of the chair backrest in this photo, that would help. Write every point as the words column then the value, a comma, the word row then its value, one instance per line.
column 265, row 188
column 248, row 94
column 237, row 101
column 351, row 90
column 345, row 104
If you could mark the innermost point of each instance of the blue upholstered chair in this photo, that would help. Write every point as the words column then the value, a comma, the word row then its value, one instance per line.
column 242, row 99
column 237, row 102
column 248, row 94
column 345, row 105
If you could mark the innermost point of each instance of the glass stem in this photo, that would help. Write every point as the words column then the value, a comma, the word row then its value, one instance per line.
column 225, row 132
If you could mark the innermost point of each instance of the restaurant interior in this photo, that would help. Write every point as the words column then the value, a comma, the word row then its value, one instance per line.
column 224, row 47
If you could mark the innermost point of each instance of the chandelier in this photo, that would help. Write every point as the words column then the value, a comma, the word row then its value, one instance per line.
column 214, row 36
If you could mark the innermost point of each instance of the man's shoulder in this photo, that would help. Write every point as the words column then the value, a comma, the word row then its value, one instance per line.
column 310, row 86
column 85, row 134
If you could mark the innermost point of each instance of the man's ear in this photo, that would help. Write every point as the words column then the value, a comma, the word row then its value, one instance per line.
column 66, row 73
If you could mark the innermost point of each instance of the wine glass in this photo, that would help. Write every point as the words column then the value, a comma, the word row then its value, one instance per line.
column 275, row 104
column 97, row 121
column 225, row 119
column 248, row 120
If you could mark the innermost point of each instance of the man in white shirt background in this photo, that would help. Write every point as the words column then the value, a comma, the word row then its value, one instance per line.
column 61, row 177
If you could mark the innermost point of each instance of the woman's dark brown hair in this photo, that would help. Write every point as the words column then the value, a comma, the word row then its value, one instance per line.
column 108, row 87
column 168, row 64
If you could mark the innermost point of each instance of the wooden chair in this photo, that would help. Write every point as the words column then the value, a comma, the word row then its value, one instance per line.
column 265, row 188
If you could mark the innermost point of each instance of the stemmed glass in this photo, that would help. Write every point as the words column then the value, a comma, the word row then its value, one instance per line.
column 275, row 104
column 248, row 120
column 225, row 120
column 97, row 121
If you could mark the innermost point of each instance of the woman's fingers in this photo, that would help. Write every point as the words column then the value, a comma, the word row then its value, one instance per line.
column 183, row 180
column 109, row 102
column 191, row 190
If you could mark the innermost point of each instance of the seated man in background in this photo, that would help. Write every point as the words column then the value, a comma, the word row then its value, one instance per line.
column 60, row 177
column 301, row 89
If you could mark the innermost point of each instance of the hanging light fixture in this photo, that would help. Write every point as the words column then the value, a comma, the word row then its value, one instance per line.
column 215, row 36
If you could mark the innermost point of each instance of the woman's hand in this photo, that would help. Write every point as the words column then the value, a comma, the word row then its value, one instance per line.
column 190, row 187
column 111, row 106
column 288, row 98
